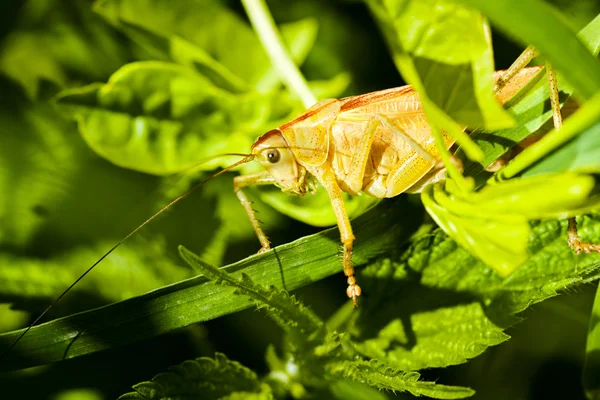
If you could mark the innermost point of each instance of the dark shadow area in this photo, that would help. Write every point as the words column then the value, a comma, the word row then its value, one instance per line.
column 111, row 372
column 550, row 381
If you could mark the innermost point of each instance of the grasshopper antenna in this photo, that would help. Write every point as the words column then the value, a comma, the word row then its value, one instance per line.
column 247, row 158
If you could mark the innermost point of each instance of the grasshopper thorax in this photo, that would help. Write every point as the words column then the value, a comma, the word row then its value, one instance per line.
column 275, row 155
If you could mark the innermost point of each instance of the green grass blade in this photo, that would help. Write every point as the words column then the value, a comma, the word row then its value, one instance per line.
column 290, row 266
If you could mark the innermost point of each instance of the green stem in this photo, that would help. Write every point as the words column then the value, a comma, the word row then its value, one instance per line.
column 265, row 28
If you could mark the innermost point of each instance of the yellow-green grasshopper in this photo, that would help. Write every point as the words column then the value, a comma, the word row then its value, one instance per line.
column 377, row 143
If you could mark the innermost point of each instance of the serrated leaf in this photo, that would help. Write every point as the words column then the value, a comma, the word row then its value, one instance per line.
column 445, row 336
column 439, row 305
column 385, row 378
column 552, row 266
column 284, row 308
column 204, row 377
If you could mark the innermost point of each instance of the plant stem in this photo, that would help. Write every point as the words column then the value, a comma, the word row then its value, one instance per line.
column 288, row 72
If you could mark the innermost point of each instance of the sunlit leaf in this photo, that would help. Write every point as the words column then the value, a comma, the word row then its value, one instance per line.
column 162, row 118
column 451, row 54
column 493, row 223
column 566, row 53
column 582, row 154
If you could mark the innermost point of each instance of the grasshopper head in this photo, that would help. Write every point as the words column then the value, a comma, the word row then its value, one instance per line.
column 275, row 155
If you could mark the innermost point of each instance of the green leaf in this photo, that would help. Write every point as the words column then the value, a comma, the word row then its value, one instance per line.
column 217, row 34
column 11, row 319
column 582, row 154
column 385, row 378
column 499, row 242
column 144, row 263
column 451, row 53
column 79, row 394
column 54, row 46
column 17, row 61
column 566, row 53
column 283, row 308
column 552, row 266
column 162, row 118
column 288, row 267
column 493, row 223
column 204, row 378
column 438, row 305
column 315, row 209
column 446, row 336
column 591, row 368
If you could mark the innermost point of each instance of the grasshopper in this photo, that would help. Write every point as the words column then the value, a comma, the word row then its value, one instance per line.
column 378, row 143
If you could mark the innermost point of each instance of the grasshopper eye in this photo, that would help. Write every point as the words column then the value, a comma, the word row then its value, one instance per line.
column 273, row 155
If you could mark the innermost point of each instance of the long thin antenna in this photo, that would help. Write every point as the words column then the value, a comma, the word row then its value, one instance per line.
column 247, row 158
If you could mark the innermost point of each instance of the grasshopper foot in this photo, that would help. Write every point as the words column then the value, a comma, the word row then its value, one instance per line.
column 576, row 244
column 353, row 290
column 587, row 248
column 263, row 249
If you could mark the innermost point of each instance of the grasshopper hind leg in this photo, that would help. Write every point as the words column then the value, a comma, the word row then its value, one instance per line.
column 573, row 236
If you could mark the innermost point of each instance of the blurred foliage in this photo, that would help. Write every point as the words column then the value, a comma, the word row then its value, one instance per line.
column 108, row 107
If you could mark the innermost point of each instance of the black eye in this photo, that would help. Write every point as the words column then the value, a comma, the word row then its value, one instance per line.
column 272, row 155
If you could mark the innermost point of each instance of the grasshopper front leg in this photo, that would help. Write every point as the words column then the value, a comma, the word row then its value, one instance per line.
column 241, row 181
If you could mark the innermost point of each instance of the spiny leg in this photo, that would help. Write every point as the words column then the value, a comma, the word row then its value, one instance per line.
column 242, row 181
column 329, row 183
column 573, row 237
column 521, row 62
